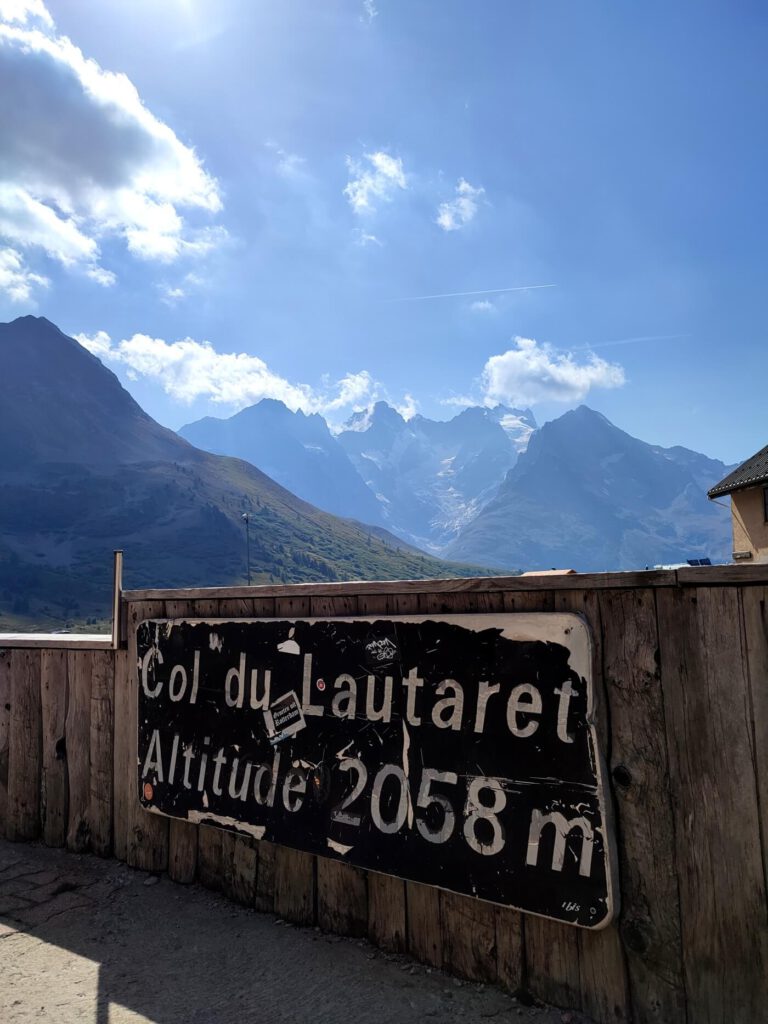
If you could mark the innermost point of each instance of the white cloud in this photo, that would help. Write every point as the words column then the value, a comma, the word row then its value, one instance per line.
column 16, row 279
column 376, row 177
column 189, row 370
column 369, row 11
column 363, row 238
column 22, row 11
column 461, row 210
column 408, row 407
column 83, row 159
column 532, row 372
column 483, row 306
column 288, row 165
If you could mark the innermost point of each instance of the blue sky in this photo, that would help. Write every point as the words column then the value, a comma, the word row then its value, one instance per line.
column 283, row 180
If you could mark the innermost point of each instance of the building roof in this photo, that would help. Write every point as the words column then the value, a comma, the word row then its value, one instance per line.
column 750, row 473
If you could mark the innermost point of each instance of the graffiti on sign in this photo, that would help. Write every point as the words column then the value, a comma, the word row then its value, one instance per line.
column 459, row 751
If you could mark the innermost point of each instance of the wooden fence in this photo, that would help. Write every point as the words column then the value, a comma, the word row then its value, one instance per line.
column 682, row 658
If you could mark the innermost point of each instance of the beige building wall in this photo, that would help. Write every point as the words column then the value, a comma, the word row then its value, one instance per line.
column 750, row 530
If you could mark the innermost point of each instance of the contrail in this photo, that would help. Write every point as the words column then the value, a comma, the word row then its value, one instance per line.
column 631, row 341
column 486, row 291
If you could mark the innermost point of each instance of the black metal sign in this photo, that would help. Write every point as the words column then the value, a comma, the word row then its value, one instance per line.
column 458, row 751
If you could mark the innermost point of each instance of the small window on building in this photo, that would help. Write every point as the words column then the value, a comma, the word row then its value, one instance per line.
column 765, row 504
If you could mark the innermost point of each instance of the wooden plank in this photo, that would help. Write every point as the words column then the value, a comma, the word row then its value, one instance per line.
column 510, row 958
column 600, row 581
column 264, row 895
column 639, row 764
column 719, row 575
column 425, row 939
column 79, row 670
column 604, row 980
column 469, row 937
column 294, row 871
column 342, row 898
column 755, row 617
column 102, row 754
column 122, row 779
column 238, row 864
column 5, row 732
column 141, row 838
column 210, row 854
column 714, row 794
column 386, row 912
column 24, row 751
column 182, row 835
column 294, row 885
column 552, row 962
column 57, row 641
column 182, row 851
column 54, row 795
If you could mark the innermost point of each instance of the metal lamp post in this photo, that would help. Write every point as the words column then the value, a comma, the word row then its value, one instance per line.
column 246, row 517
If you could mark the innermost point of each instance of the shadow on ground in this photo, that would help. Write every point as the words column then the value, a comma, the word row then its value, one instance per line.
column 89, row 940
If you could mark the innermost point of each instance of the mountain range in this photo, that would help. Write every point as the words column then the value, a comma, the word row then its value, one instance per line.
column 423, row 479
column 84, row 470
column 490, row 487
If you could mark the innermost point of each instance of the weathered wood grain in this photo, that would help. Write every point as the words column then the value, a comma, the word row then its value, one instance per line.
column 602, row 967
column 5, row 731
column 182, row 851
column 510, row 958
column 469, row 937
column 78, row 731
column 342, row 898
column 714, row 795
column 755, row 617
column 600, row 581
column 24, row 748
column 100, row 809
column 141, row 838
column 54, row 793
column 386, row 912
column 238, row 863
column 294, row 885
column 264, row 893
column 650, row 907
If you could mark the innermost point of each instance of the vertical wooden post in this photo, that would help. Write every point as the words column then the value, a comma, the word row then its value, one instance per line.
column 54, row 789
column 24, row 749
column 78, row 727
column 714, row 793
column 5, row 734
column 141, row 838
column 102, row 727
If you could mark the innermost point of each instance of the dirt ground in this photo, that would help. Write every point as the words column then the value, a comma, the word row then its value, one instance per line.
column 85, row 940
